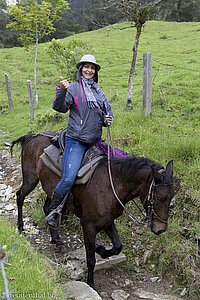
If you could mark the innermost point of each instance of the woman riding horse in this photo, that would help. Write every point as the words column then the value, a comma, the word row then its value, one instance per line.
column 89, row 111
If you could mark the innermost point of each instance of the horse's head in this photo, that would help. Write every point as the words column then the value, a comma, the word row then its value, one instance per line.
column 161, row 192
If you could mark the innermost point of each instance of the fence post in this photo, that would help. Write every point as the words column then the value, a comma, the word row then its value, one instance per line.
column 8, row 92
column 147, row 83
column 31, row 100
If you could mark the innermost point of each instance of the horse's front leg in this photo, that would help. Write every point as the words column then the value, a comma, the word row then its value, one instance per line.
column 111, row 231
column 54, row 233
column 89, row 239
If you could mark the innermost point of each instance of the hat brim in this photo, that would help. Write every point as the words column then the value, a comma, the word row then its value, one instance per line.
column 83, row 62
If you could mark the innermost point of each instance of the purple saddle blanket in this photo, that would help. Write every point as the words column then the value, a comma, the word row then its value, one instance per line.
column 103, row 146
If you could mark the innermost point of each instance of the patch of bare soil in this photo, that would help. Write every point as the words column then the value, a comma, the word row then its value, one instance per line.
column 119, row 277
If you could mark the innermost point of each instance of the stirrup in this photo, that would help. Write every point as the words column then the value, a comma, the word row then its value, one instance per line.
column 57, row 210
column 58, row 221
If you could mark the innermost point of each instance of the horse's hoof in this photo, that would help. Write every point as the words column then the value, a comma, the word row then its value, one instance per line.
column 100, row 250
column 20, row 230
column 62, row 249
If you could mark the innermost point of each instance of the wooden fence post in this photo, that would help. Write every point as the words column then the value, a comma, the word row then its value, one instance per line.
column 31, row 100
column 147, row 83
column 8, row 92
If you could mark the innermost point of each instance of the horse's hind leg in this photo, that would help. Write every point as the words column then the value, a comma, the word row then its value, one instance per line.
column 54, row 233
column 24, row 190
column 117, row 245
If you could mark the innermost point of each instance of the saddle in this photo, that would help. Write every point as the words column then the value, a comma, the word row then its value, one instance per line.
column 53, row 159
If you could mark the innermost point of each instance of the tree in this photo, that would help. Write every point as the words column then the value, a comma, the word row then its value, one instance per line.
column 92, row 14
column 7, row 38
column 66, row 26
column 66, row 56
column 179, row 10
column 35, row 20
column 137, row 11
column 102, row 13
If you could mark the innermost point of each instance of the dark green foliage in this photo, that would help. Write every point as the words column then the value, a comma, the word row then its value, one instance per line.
column 65, row 27
column 7, row 37
column 93, row 14
column 179, row 10
column 66, row 56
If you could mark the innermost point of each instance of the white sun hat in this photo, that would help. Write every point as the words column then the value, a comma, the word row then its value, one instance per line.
column 90, row 59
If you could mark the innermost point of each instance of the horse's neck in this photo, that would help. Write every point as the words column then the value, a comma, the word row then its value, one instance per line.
column 131, row 187
column 141, row 183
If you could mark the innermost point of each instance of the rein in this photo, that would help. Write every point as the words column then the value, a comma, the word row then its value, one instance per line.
column 129, row 214
column 151, row 214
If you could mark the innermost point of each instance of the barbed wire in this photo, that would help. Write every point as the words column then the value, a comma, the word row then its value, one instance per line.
column 174, row 66
column 161, row 86
column 160, row 63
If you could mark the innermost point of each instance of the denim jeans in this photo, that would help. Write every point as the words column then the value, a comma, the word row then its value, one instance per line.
column 73, row 154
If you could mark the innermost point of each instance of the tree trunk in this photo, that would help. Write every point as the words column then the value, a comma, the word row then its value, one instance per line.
column 35, row 61
column 130, row 81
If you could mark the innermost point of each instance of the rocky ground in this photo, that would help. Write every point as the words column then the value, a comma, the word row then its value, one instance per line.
column 115, row 282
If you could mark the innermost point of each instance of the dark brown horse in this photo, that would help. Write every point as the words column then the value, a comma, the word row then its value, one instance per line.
column 94, row 202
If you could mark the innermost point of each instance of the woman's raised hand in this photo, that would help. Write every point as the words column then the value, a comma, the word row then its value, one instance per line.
column 64, row 84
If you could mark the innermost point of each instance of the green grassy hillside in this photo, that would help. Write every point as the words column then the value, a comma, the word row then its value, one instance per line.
column 171, row 132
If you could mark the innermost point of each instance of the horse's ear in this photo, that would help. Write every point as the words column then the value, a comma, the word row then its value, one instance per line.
column 169, row 167
column 156, row 175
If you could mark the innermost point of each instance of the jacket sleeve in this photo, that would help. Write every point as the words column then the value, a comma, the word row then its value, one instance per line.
column 108, row 108
column 62, row 100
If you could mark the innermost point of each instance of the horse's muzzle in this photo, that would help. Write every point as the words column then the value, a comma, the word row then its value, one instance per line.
column 158, row 228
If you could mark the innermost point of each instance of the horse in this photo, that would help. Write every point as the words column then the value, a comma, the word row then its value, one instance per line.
column 94, row 202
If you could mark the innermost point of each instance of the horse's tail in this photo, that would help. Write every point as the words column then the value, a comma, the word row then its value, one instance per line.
column 23, row 140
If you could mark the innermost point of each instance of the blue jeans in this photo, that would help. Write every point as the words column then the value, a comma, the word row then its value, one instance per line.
column 72, row 157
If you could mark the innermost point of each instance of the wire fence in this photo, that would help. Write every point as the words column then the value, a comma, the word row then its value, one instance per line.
column 159, row 77
column 170, row 83
column 163, row 78
column 3, row 260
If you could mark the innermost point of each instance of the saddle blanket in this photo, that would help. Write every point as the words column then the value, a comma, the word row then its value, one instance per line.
column 53, row 159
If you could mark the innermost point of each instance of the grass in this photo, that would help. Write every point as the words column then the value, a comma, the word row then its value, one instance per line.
column 170, row 132
column 27, row 272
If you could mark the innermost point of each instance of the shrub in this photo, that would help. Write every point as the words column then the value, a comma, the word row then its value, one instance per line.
column 66, row 56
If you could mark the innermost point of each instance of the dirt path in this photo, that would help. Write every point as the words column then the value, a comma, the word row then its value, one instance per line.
column 107, row 280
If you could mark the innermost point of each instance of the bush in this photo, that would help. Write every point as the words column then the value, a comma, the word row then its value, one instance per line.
column 66, row 56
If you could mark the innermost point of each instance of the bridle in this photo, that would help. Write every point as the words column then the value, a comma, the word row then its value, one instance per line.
column 149, row 199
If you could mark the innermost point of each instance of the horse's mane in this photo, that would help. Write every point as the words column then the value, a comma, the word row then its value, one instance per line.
column 127, row 166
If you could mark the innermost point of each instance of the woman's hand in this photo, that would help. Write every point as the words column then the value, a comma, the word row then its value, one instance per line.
column 108, row 119
column 64, row 84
